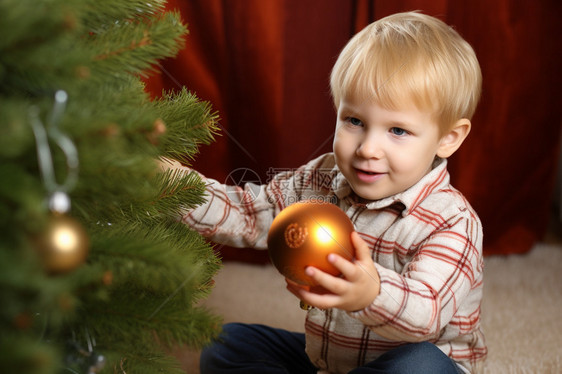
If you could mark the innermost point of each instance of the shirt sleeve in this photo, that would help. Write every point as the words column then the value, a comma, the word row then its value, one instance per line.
column 233, row 215
column 418, row 303
column 241, row 216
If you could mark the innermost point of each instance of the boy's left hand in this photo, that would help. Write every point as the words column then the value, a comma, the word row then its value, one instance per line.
column 354, row 290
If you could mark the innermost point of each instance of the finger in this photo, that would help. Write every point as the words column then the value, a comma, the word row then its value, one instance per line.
column 346, row 267
column 294, row 284
column 294, row 290
column 299, row 292
column 362, row 254
column 362, row 251
column 328, row 282
column 352, row 271
column 322, row 301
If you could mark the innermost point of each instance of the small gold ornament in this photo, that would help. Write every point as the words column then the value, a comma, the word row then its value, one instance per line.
column 303, row 234
column 63, row 245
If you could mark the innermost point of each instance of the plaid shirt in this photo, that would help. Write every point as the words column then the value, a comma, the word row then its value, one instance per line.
column 426, row 243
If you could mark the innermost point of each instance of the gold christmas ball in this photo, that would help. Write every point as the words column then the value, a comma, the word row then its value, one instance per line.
column 63, row 245
column 304, row 234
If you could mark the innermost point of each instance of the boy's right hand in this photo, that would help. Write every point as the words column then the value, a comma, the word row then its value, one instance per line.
column 355, row 290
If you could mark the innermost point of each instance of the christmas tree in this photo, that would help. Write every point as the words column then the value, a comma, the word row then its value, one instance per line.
column 95, row 270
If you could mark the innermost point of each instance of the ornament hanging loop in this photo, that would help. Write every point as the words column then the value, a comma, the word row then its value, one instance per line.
column 58, row 193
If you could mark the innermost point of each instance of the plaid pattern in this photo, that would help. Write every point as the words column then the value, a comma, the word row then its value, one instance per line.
column 426, row 243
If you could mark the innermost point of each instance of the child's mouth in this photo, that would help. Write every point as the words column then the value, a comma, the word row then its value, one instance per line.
column 366, row 172
column 368, row 176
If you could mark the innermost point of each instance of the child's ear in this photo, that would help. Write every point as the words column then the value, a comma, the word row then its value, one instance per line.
column 453, row 139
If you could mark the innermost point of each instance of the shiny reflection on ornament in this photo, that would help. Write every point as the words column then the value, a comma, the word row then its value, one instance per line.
column 63, row 244
column 65, row 239
column 324, row 234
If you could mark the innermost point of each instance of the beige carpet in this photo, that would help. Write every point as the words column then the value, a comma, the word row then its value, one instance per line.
column 522, row 308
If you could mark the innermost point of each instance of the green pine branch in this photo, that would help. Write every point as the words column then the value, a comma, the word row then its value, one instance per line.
column 191, row 124
column 138, row 293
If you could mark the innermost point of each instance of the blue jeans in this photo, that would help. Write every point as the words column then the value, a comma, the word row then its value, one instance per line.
column 258, row 349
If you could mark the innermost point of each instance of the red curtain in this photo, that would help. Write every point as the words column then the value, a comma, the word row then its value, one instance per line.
column 264, row 66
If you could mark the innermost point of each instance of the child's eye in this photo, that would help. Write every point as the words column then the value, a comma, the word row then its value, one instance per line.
column 398, row 131
column 354, row 121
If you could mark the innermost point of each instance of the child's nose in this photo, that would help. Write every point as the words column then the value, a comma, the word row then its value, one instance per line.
column 371, row 147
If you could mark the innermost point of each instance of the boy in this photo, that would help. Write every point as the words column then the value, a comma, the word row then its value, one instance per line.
column 405, row 89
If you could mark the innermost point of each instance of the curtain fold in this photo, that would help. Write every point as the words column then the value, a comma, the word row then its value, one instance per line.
column 265, row 65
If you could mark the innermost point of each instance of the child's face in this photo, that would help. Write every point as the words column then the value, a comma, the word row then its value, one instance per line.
column 383, row 152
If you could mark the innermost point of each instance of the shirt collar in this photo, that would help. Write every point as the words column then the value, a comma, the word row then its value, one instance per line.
column 409, row 199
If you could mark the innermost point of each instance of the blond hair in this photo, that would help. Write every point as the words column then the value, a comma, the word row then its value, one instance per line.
column 410, row 58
